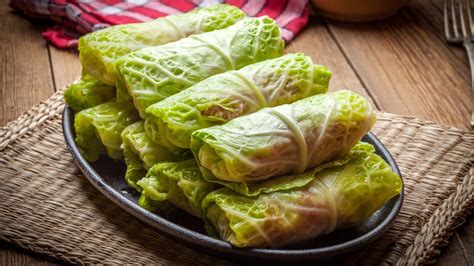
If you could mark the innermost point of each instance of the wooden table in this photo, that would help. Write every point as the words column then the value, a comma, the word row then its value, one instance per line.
column 403, row 65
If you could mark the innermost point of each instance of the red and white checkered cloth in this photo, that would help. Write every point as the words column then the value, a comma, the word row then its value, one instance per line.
column 77, row 17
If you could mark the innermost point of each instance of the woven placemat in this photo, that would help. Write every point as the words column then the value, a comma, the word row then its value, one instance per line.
column 47, row 206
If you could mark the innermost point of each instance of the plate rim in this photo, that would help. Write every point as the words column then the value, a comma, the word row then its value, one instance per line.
column 220, row 247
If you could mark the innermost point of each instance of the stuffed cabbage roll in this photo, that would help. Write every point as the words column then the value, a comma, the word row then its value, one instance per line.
column 87, row 92
column 287, row 139
column 223, row 97
column 98, row 129
column 152, row 74
column 141, row 153
column 180, row 183
column 99, row 49
column 335, row 198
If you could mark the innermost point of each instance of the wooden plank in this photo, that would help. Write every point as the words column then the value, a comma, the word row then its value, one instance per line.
column 316, row 42
column 25, row 76
column 65, row 66
column 25, row 73
column 407, row 65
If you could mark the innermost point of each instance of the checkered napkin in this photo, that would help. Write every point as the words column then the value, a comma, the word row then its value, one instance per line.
column 74, row 18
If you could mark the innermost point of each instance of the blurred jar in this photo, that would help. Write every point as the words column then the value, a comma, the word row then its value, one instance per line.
column 358, row 10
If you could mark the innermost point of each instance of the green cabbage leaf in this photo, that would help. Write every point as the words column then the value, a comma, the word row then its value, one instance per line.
column 334, row 198
column 135, row 170
column 222, row 97
column 87, row 92
column 152, row 74
column 180, row 183
column 100, row 49
column 287, row 139
column 141, row 153
column 98, row 129
column 280, row 182
column 147, row 203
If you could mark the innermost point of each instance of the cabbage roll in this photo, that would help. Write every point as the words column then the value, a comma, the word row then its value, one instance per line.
column 334, row 198
column 87, row 92
column 141, row 153
column 99, row 49
column 152, row 74
column 223, row 97
column 287, row 139
column 98, row 129
column 180, row 183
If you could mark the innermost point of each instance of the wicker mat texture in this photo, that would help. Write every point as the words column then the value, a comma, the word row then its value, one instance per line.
column 48, row 206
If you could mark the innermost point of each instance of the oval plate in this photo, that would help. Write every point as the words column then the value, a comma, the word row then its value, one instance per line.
column 108, row 177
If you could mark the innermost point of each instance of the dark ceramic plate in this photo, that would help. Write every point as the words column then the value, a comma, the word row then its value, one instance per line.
column 107, row 176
